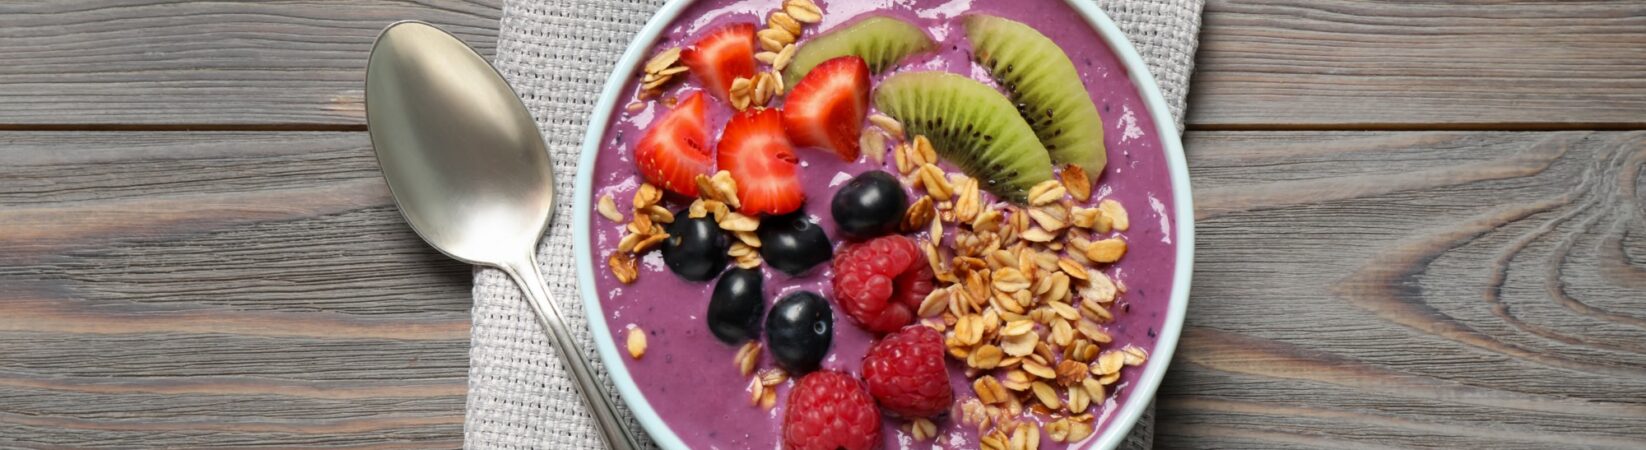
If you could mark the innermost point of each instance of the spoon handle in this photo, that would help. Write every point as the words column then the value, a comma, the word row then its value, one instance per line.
column 604, row 410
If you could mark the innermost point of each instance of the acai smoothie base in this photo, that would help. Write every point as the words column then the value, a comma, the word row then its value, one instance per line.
column 694, row 381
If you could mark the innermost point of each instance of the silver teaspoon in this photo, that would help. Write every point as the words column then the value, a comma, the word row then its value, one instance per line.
column 470, row 172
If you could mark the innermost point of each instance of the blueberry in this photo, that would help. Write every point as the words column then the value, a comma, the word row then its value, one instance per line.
column 799, row 330
column 869, row 205
column 736, row 306
column 696, row 248
column 792, row 243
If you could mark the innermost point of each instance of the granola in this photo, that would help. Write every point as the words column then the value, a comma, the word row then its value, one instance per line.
column 1020, row 296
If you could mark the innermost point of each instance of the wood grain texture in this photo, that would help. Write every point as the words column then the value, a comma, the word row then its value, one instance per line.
column 1484, row 64
column 1435, row 289
column 278, row 65
column 223, row 289
column 1353, row 290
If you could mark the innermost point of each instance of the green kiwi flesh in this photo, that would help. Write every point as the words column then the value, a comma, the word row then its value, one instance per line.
column 971, row 125
column 881, row 41
column 1045, row 88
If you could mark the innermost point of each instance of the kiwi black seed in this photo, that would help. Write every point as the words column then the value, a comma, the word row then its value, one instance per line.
column 881, row 41
column 971, row 125
column 1045, row 86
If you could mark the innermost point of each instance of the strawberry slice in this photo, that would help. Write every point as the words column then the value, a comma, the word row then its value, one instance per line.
column 722, row 56
column 826, row 109
column 676, row 149
column 758, row 155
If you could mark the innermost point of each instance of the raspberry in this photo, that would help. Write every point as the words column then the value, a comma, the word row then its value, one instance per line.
column 880, row 283
column 907, row 374
column 829, row 410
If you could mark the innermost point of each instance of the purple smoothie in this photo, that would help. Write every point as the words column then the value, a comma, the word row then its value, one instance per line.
column 688, row 376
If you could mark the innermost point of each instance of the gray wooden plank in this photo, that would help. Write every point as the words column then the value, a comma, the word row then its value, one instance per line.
column 275, row 64
column 286, row 222
column 1433, row 289
column 220, row 289
column 1410, row 64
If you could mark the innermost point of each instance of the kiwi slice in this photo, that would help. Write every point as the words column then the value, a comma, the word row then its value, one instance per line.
column 971, row 125
column 881, row 41
column 1045, row 87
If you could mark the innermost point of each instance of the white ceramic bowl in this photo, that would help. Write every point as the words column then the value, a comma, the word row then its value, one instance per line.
column 1153, row 371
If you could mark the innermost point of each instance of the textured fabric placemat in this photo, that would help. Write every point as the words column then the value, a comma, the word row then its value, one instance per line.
column 557, row 54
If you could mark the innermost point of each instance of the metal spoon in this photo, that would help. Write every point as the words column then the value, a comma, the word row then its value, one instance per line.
column 470, row 172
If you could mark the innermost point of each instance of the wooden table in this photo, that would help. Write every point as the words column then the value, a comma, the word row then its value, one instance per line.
column 1421, row 224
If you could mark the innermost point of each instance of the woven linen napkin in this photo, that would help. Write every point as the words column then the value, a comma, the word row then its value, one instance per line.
column 557, row 54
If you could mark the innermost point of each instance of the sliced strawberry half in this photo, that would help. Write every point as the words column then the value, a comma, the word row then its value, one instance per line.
column 676, row 148
column 722, row 56
column 826, row 109
column 758, row 155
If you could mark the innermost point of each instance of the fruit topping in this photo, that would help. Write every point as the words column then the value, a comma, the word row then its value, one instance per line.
column 721, row 57
column 830, row 410
column 1045, row 87
column 799, row 329
column 676, row 149
column 826, row 109
column 881, row 282
column 696, row 248
column 881, row 41
column 793, row 244
column 755, row 150
column 907, row 375
column 971, row 125
column 869, row 205
column 736, row 306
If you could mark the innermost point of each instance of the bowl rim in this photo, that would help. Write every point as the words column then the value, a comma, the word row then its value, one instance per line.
column 1166, row 127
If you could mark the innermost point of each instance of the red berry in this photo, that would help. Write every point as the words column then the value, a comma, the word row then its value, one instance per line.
column 721, row 57
column 826, row 108
column 907, row 374
column 758, row 155
column 830, row 410
column 676, row 149
column 881, row 282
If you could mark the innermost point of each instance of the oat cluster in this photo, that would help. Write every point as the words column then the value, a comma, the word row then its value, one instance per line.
column 643, row 233
column 660, row 70
column 762, row 386
column 717, row 197
column 777, row 46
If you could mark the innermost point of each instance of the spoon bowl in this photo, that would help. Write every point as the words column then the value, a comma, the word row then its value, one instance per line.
column 460, row 153
column 469, row 171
